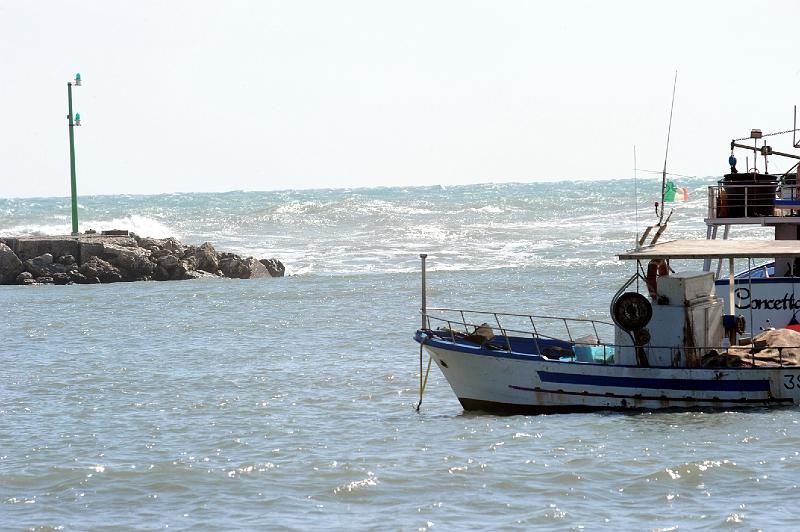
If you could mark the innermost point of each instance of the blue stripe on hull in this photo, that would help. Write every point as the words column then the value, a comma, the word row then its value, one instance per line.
column 670, row 400
column 656, row 384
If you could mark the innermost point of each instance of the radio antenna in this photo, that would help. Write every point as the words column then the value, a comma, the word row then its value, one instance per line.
column 669, row 130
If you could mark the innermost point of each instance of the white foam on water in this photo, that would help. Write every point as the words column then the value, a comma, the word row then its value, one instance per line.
column 488, row 209
column 38, row 229
column 141, row 225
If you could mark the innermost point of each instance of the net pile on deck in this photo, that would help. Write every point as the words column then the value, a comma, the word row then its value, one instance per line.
column 776, row 347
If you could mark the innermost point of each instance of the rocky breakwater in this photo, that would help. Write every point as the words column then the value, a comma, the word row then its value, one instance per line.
column 115, row 256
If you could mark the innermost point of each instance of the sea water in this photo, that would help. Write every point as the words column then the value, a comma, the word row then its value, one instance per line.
column 288, row 403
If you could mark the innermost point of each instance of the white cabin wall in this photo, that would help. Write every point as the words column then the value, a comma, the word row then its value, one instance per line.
column 624, row 352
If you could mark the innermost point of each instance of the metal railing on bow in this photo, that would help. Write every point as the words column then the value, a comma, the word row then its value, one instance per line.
column 508, row 324
column 753, row 200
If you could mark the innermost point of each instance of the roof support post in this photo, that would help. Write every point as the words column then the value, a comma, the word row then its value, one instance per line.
column 731, row 306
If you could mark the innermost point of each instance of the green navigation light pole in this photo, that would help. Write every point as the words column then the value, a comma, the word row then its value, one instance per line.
column 72, row 123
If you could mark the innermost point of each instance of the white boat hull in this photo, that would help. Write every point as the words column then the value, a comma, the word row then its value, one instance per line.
column 508, row 382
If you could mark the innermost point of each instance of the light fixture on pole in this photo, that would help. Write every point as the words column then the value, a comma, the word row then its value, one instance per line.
column 76, row 122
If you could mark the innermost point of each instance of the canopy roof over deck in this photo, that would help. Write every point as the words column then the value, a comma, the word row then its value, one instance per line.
column 715, row 249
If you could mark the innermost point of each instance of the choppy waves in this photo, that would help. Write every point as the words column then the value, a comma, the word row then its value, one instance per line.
column 333, row 232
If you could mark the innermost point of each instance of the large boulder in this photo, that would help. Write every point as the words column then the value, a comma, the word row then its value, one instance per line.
column 189, row 262
column 168, row 262
column 25, row 278
column 173, row 245
column 207, row 259
column 239, row 268
column 161, row 274
column 45, row 266
column 61, row 278
column 40, row 266
column 257, row 270
column 274, row 267
column 156, row 253
column 78, row 278
column 145, row 241
column 165, row 267
column 183, row 270
column 10, row 265
column 97, row 268
column 234, row 267
column 133, row 262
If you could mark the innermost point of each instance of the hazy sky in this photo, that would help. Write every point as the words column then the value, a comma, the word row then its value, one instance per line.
column 260, row 95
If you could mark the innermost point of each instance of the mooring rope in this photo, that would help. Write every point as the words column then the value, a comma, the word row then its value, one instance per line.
column 423, row 383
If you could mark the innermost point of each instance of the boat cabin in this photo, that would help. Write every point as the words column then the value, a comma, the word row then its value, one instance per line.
column 684, row 317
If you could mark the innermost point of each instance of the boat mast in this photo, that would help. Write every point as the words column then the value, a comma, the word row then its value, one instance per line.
column 664, row 172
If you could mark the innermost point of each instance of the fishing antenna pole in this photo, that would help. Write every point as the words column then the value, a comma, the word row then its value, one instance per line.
column 666, row 154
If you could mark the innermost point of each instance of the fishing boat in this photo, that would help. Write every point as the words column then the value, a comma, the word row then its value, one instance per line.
column 696, row 337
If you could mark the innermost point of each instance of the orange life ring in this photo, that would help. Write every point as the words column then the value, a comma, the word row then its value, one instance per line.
column 655, row 268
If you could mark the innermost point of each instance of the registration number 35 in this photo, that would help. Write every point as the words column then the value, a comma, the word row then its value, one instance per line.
column 790, row 382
